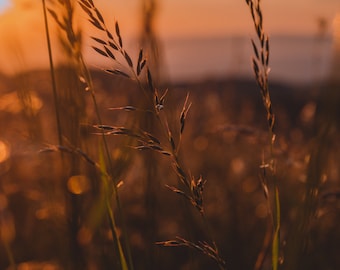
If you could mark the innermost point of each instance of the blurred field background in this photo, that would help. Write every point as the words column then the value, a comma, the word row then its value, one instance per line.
column 51, row 215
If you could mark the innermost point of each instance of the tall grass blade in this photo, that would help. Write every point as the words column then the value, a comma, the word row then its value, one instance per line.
column 52, row 71
column 276, row 238
column 261, row 70
column 112, row 222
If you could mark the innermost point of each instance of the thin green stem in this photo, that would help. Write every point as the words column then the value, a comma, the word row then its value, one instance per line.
column 109, row 161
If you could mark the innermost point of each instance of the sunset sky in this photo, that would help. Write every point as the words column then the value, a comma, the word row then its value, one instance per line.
column 220, row 17
column 22, row 31
column 203, row 17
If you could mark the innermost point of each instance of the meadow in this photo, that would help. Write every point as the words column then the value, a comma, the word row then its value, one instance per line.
column 119, row 169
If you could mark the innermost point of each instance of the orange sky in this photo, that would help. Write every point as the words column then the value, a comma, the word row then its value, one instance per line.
column 219, row 17
column 22, row 32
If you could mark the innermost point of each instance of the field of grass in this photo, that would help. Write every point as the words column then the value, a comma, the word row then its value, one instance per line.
column 120, row 170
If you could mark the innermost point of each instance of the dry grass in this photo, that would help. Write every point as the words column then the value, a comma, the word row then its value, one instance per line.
column 268, row 177
column 190, row 188
column 129, row 146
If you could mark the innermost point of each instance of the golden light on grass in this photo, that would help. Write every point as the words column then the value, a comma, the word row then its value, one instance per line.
column 11, row 103
column 225, row 137
column 78, row 184
column 4, row 151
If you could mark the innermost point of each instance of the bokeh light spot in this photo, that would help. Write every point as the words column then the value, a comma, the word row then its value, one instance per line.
column 308, row 112
column 78, row 184
column 237, row 165
column 11, row 103
column 4, row 151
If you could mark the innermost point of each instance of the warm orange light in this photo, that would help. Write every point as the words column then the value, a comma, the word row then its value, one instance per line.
column 78, row 184
column 11, row 103
column 4, row 151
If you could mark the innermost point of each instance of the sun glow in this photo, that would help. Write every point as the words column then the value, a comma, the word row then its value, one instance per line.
column 4, row 4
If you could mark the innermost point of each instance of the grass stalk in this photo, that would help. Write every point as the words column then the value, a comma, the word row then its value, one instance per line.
column 66, row 24
column 191, row 189
column 52, row 74
column 124, row 264
column 261, row 70
column 107, row 194
column 87, row 216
